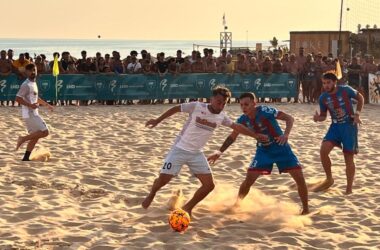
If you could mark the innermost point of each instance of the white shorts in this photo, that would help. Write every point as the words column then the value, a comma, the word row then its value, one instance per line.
column 177, row 157
column 35, row 123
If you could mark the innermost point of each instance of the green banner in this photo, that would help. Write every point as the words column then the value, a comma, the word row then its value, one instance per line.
column 134, row 87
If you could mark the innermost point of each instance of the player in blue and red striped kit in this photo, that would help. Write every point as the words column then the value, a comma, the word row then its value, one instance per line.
column 275, row 149
column 343, row 131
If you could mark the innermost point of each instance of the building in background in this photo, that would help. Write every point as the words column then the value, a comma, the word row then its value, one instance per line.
column 320, row 41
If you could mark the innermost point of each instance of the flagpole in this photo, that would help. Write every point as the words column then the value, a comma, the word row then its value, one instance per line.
column 56, row 89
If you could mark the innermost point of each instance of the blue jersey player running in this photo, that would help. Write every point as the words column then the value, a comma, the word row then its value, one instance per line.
column 263, row 120
column 343, row 131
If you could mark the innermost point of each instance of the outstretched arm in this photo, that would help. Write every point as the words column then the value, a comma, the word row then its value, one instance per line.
column 240, row 129
column 43, row 103
column 227, row 142
column 154, row 122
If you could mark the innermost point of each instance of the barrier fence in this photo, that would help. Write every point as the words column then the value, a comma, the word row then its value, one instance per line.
column 137, row 87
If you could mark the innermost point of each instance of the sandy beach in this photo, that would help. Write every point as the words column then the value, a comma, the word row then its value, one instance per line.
column 87, row 195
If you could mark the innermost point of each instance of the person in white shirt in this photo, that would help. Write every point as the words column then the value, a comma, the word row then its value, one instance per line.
column 203, row 119
column 134, row 67
column 27, row 96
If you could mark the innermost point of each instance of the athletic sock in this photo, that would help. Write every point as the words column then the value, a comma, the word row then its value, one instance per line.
column 26, row 156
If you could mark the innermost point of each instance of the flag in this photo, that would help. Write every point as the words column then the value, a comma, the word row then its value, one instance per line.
column 55, row 66
column 338, row 70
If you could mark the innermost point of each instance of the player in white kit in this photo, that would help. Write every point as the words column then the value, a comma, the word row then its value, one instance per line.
column 203, row 119
column 27, row 96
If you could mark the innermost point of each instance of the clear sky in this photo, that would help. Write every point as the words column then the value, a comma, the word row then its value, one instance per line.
column 171, row 19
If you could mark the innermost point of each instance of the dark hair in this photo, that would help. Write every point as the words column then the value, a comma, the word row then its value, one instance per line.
column 330, row 76
column 250, row 95
column 30, row 66
column 226, row 93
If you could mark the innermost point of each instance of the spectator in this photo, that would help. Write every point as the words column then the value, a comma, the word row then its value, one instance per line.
column 40, row 65
column 198, row 66
column 354, row 70
column 134, row 67
column 19, row 66
column 5, row 64
column 186, row 66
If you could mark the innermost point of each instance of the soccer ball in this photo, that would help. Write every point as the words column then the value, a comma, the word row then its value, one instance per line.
column 179, row 220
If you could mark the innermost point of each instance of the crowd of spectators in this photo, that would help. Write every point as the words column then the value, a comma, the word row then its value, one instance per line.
column 308, row 68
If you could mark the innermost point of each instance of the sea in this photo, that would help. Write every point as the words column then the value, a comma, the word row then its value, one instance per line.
column 104, row 46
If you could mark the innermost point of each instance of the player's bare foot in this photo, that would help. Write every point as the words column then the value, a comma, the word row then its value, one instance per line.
column 324, row 185
column 305, row 211
column 148, row 200
column 19, row 142
column 188, row 211
column 348, row 191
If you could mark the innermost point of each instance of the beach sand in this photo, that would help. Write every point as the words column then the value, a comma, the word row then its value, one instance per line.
column 87, row 195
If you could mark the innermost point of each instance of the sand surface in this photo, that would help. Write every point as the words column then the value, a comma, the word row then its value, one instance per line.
column 103, row 161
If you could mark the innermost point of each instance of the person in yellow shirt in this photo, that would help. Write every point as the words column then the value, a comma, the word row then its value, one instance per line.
column 19, row 66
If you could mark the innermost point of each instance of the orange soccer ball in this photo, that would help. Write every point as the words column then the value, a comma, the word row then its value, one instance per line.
column 179, row 220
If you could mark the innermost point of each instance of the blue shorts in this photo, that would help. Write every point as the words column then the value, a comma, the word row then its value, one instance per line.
column 344, row 135
column 283, row 156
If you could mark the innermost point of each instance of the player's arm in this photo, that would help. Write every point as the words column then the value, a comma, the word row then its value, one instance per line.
column 240, row 129
column 289, row 124
column 359, row 107
column 21, row 101
column 43, row 103
column 320, row 117
column 154, row 122
column 227, row 142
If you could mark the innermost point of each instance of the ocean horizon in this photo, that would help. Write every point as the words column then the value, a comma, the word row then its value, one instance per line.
column 75, row 46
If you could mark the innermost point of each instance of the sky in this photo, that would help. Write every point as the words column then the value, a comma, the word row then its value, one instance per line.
column 173, row 19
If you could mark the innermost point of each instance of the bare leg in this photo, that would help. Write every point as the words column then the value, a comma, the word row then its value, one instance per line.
column 158, row 183
column 302, row 188
column 326, row 148
column 31, row 145
column 35, row 135
column 350, row 171
column 250, row 179
column 207, row 186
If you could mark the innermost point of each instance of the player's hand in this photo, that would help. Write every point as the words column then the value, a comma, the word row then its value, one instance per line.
column 50, row 108
column 281, row 140
column 213, row 158
column 33, row 105
column 316, row 116
column 357, row 119
column 262, row 138
column 151, row 123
